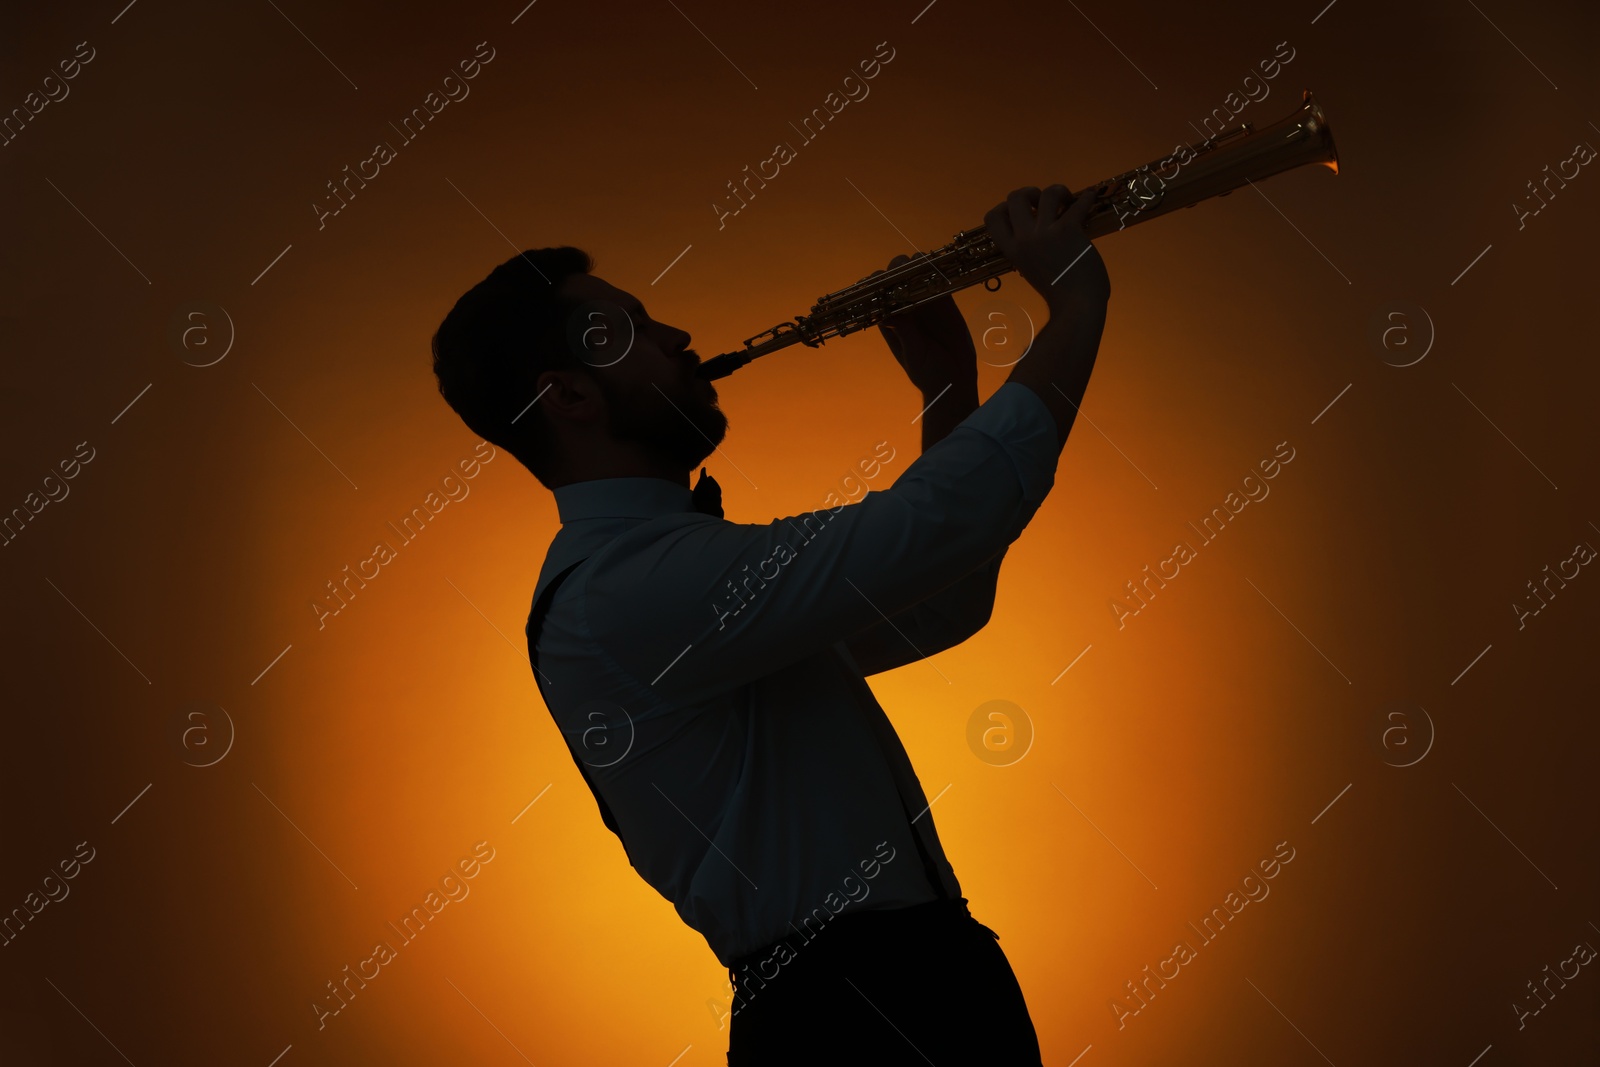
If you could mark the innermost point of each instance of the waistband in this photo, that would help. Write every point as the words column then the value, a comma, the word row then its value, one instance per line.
column 890, row 921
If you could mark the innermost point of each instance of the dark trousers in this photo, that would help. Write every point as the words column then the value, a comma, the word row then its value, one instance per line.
column 921, row 985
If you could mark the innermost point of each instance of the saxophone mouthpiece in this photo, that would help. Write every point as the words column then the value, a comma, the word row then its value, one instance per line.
column 721, row 366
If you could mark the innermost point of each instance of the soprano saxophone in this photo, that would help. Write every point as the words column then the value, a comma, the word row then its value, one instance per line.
column 1191, row 173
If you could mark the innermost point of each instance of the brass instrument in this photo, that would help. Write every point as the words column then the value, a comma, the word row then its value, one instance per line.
column 1215, row 167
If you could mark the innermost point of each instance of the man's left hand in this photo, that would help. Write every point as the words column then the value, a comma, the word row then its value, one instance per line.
column 931, row 342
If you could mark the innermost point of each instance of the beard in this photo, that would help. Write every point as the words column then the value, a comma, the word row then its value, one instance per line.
column 685, row 428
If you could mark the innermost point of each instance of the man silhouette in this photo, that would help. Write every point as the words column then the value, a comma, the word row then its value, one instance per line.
column 708, row 676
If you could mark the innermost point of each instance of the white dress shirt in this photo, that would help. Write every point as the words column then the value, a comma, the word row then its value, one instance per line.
column 748, row 765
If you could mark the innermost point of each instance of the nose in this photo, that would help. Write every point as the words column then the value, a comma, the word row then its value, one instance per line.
column 677, row 339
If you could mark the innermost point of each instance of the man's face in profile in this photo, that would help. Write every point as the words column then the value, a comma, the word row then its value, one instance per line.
column 646, row 371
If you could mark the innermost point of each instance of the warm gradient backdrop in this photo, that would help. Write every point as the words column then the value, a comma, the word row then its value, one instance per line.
column 1245, row 706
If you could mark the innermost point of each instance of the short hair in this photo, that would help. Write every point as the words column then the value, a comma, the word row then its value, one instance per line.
column 499, row 337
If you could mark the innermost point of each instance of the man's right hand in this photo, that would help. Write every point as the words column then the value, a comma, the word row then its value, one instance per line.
column 1041, row 233
column 1043, row 238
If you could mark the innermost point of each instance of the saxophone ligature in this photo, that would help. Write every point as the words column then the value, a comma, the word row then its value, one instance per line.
column 1191, row 173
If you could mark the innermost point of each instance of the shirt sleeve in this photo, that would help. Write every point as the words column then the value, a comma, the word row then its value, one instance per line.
column 691, row 606
column 942, row 621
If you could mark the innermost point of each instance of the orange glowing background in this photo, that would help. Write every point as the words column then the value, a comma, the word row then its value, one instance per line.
column 1243, row 707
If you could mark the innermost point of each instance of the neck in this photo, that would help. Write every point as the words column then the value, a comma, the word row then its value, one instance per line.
column 624, row 466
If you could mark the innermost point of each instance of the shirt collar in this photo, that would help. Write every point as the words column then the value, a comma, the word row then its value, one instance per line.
column 621, row 498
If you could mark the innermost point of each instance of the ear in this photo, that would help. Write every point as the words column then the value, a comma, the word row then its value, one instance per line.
column 570, row 396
